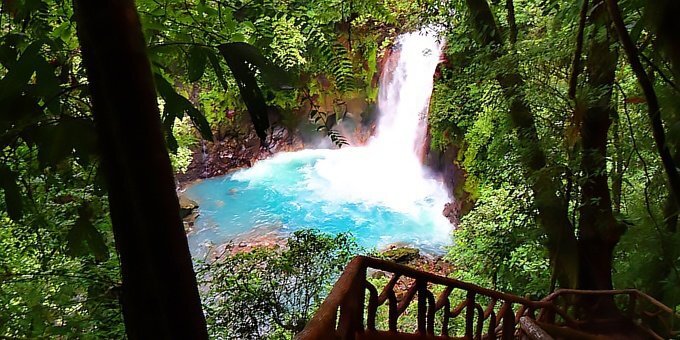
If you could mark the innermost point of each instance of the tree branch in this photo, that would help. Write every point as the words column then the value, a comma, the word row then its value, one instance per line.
column 512, row 23
column 576, row 62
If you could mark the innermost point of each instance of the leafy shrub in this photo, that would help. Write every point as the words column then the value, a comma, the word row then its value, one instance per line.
column 498, row 244
column 186, row 138
column 272, row 292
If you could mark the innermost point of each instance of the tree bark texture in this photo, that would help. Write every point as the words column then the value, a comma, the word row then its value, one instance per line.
column 159, row 295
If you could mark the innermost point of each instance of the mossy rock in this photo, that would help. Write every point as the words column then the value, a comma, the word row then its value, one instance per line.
column 401, row 254
column 186, row 206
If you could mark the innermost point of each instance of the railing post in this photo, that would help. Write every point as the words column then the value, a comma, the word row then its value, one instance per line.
column 492, row 326
column 632, row 303
column 469, row 315
column 508, row 322
column 421, row 286
column 352, row 308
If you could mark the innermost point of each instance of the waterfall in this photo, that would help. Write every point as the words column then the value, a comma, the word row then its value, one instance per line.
column 405, row 94
column 388, row 170
column 380, row 192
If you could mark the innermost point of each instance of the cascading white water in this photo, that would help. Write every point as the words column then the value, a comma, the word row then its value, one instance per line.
column 405, row 93
column 380, row 192
column 388, row 171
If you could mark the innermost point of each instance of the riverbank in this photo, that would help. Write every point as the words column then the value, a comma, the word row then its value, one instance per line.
column 405, row 255
column 237, row 151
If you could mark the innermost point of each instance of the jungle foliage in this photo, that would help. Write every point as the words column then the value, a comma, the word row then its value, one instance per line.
column 60, row 273
column 565, row 117
column 272, row 292
column 560, row 142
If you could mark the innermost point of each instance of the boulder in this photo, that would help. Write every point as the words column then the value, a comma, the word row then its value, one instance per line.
column 186, row 206
column 401, row 254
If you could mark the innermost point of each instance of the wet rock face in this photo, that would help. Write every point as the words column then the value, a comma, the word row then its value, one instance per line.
column 234, row 152
column 452, row 211
column 446, row 164
column 412, row 258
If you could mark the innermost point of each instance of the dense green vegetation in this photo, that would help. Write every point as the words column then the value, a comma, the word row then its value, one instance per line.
column 564, row 116
column 272, row 292
column 60, row 271
column 558, row 144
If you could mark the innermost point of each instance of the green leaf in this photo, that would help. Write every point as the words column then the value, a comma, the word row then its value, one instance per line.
column 196, row 64
column 215, row 62
column 272, row 75
column 247, row 84
column 8, row 182
column 17, row 111
column 176, row 106
column 199, row 122
column 8, row 50
column 84, row 238
column 97, row 245
column 75, row 240
column 63, row 31
column 66, row 138
column 238, row 37
column 21, row 72
column 170, row 140
column 47, row 85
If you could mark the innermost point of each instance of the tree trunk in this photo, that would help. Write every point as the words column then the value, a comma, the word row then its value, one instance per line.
column 667, row 29
column 654, row 109
column 159, row 295
column 599, row 232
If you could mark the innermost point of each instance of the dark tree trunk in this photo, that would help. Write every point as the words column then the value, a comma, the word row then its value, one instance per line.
column 576, row 61
column 667, row 29
column 512, row 23
column 551, row 205
column 159, row 297
column 619, row 162
column 599, row 232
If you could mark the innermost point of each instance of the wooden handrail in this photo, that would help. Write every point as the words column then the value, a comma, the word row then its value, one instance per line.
column 341, row 315
column 323, row 323
column 446, row 281
column 635, row 297
column 636, row 292
column 533, row 331
column 352, row 284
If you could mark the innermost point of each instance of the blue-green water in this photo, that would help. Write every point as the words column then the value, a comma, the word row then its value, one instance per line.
column 289, row 192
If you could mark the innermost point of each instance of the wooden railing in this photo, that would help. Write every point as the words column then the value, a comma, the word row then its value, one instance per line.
column 458, row 310
column 651, row 318
column 485, row 313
